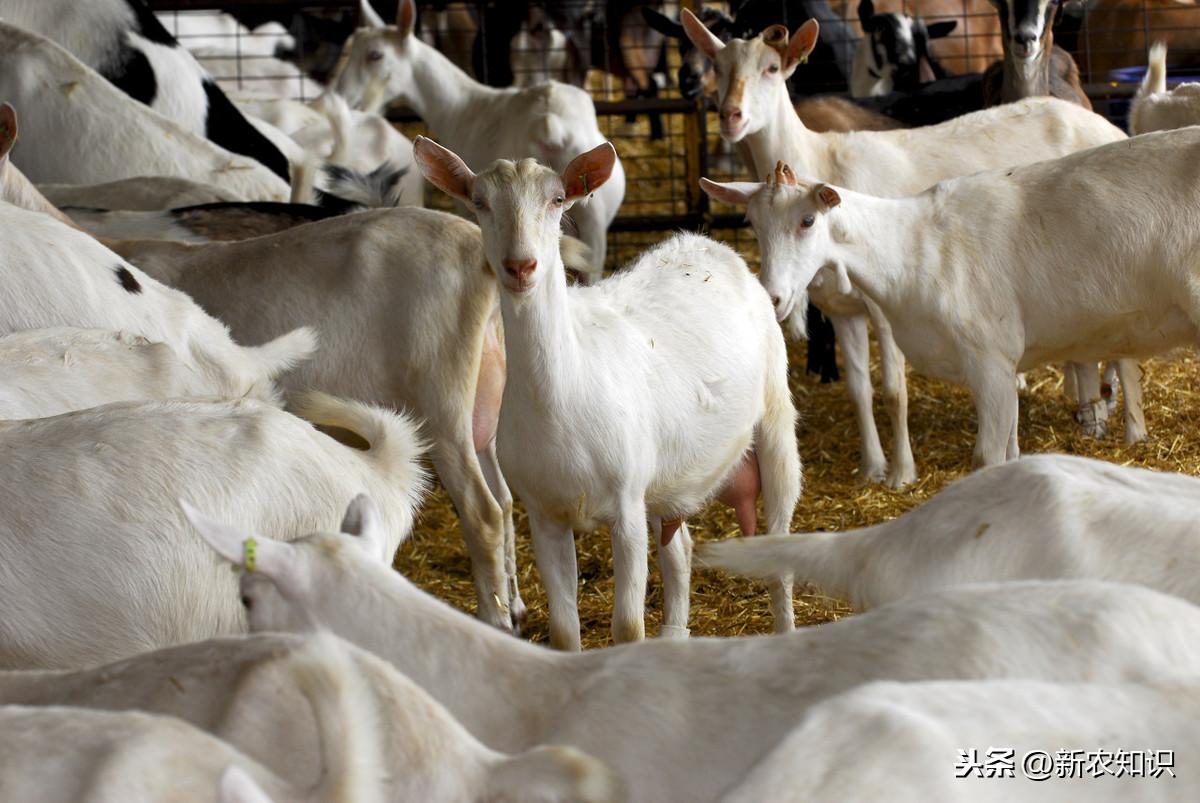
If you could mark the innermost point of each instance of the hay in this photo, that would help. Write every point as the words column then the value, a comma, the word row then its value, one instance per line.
column 941, row 419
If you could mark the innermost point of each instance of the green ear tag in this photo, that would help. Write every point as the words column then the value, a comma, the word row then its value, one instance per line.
column 583, row 178
column 804, row 59
column 250, row 554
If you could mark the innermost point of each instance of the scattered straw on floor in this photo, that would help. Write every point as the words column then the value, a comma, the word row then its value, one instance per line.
column 942, row 423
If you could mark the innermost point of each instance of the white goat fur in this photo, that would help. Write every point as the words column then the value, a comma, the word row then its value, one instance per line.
column 887, row 163
column 53, row 275
column 642, row 394
column 240, row 689
column 82, row 129
column 151, row 583
column 1156, row 109
column 905, row 738
column 1045, row 517
column 128, row 756
column 551, row 122
column 143, row 194
column 405, row 300
column 979, row 282
column 711, row 708
column 46, row 372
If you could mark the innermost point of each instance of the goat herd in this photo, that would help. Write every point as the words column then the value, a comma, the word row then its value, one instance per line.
column 1035, row 636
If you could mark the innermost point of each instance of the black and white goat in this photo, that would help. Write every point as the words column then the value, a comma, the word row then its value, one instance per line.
column 894, row 52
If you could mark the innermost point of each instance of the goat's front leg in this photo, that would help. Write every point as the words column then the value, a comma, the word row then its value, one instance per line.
column 675, row 564
column 490, row 467
column 629, row 545
column 993, row 383
column 903, row 468
column 554, row 552
column 1130, row 374
column 851, row 332
column 1093, row 410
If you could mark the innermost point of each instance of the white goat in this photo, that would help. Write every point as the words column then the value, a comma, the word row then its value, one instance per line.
column 149, row 583
column 82, row 129
column 126, row 45
column 1156, row 109
column 1044, row 517
column 676, row 366
column 976, row 277
column 54, row 275
column 143, row 193
column 756, row 110
column 135, row 757
column 682, row 719
column 46, row 372
column 241, row 690
column 953, row 740
column 551, row 122
column 409, row 320
column 15, row 188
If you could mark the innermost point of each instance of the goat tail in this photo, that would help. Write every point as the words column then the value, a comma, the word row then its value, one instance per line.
column 335, row 109
column 1155, row 80
column 829, row 560
column 347, row 724
column 304, row 175
column 778, row 455
column 286, row 351
column 393, row 439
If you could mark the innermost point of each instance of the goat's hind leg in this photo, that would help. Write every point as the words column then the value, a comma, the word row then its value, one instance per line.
column 675, row 564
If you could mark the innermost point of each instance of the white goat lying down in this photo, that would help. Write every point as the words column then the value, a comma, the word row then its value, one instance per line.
column 551, row 122
column 907, row 743
column 1156, row 109
column 1044, row 517
column 976, row 278
column 87, row 130
column 638, row 398
column 757, row 112
column 149, row 581
column 681, row 719
column 407, row 307
column 54, row 753
column 242, row 690
column 54, row 275
column 46, row 372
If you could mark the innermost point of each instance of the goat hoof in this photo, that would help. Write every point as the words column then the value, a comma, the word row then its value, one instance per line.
column 898, row 478
column 517, row 613
column 870, row 473
column 673, row 632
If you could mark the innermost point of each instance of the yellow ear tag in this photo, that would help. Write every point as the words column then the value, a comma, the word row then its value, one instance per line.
column 804, row 59
column 249, row 554
column 583, row 178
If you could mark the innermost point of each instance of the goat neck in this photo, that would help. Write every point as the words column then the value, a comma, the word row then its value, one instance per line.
column 442, row 94
column 879, row 242
column 783, row 135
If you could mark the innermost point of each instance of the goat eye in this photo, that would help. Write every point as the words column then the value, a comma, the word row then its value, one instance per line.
column 559, row 200
column 808, row 221
column 374, row 55
column 479, row 203
column 247, row 603
column 773, row 68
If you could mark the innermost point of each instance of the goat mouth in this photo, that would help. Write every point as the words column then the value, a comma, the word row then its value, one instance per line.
column 733, row 131
column 784, row 309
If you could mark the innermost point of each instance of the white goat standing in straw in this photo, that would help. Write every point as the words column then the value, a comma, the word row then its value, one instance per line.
column 637, row 398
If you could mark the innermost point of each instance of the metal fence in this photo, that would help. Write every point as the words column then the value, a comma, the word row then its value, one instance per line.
column 666, row 142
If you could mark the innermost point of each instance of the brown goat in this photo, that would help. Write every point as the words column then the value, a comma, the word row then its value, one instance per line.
column 1032, row 65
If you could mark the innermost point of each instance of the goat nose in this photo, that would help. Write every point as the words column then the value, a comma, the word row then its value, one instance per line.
column 775, row 301
column 731, row 114
column 519, row 269
column 1025, row 38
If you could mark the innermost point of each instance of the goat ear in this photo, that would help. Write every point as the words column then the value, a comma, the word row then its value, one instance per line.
column 704, row 39
column 866, row 14
column 827, row 197
column 802, row 44
column 940, row 30
column 236, row 786
column 662, row 23
column 368, row 17
column 269, row 555
column 587, row 172
column 444, row 169
column 364, row 522
column 8, row 129
column 735, row 193
column 406, row 17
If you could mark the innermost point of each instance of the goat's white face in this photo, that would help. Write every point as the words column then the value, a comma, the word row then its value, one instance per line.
column 519, row 205
column 791, row 223
column 751, row 74
column 375, row 60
